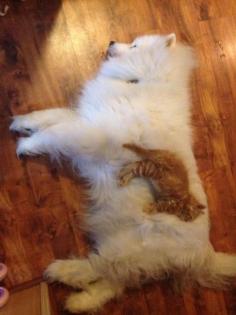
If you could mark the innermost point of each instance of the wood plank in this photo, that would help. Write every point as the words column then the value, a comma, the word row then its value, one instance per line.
column 25, row 302
column 45, row 306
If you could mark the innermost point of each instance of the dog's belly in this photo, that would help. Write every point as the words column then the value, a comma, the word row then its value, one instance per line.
column 116, row 208
column 119, row 219
column 117, row 214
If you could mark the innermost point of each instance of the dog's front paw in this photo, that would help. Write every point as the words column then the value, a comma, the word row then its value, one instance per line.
column 22, row 124
column 25, row 146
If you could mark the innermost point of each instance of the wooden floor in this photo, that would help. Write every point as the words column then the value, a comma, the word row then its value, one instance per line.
column 29, row 301
column 48, row 49
column 25, row 302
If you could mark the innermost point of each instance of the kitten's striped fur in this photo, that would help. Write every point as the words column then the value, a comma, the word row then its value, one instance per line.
column 169, row 178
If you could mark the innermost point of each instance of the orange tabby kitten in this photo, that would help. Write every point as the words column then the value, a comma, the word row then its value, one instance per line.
column 169, row 178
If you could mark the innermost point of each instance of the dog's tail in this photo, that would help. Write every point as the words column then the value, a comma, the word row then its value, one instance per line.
column 219, row 271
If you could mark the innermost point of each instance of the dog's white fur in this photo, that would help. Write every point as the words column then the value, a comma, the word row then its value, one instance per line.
column 130, row 246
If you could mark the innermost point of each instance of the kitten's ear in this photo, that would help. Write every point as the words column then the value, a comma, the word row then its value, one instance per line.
column 171, row 40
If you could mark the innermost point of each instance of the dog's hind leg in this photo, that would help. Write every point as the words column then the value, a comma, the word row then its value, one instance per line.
column 94, row 297
column 80, row 273
column 38, row 120
column 77, row 273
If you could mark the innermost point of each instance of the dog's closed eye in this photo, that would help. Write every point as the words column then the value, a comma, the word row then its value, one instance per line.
column 133, row 81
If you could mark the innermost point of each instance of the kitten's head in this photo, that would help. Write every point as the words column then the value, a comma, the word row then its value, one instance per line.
column 143, row 59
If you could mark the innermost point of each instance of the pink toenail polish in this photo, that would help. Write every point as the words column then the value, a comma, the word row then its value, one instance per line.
column 2, row 292
column 4, row 296
column 3, row 271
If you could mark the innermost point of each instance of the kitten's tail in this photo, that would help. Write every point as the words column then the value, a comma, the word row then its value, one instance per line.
column 219, row 271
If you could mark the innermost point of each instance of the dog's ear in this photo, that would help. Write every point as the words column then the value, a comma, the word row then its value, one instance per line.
column 171, row 40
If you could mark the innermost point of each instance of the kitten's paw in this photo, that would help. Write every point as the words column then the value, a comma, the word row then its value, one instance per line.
column 23, row 125
column 126, row 175
column 150, row 208
column 124, row 180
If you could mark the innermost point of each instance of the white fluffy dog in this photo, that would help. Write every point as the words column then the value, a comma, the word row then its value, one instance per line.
column 140, row 96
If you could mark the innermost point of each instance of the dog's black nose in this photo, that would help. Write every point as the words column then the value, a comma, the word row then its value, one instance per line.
column 111, row 43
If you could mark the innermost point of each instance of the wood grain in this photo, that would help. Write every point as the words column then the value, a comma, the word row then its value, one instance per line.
column 25, row 302
column 45, row 305
column 48, row 49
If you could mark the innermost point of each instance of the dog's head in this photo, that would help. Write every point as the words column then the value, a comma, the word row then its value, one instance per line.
column 141, row 45
column 143, row 59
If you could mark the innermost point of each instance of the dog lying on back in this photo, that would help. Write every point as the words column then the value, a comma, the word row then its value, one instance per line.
column 129, row 248
column 169, row 178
